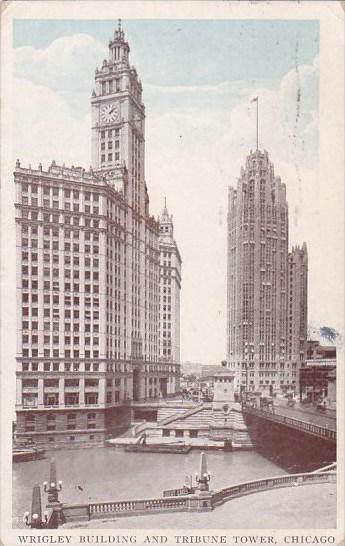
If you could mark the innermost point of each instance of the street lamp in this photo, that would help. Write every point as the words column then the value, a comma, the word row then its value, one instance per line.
column 204, row 477
column 36, row 520
column 54, row 487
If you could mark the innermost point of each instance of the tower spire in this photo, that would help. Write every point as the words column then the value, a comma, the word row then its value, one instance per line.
column 119, row 25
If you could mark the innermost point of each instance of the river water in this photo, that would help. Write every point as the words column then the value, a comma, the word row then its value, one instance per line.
column 99, row 474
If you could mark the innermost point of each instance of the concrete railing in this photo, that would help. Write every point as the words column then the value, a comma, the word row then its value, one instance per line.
column 332, row 466
column 315, row 430
column 196, row 501
column 181, row 415
column 142, row 427
column 265, row 484
column 136, row 507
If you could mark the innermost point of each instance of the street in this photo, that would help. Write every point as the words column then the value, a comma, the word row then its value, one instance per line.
column 306, row 413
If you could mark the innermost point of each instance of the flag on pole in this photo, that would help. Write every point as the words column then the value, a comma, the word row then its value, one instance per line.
column 255, row 99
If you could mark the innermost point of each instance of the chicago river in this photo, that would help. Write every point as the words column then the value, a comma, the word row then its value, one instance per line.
column 94, row 474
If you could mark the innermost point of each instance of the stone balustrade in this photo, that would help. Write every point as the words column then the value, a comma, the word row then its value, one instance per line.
column 277, row 482
column 201, row 501
column 187, row 499
column 134, row 507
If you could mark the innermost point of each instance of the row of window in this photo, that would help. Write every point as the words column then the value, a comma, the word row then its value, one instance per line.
column 48, row 312
column 30, row 400
column 55, row 272
column 55, row 327
column 63, row 366
column 55, row 205
column 110, row 145
column 55, row 353
column 57, row 218
column 110, row 133
column 56, row 339
column 54, row 191
column 116, row 156
column 48, row 231
column 54, row 383
column 111, row 86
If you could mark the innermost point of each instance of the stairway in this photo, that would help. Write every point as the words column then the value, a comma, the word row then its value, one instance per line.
column 177, row 413
column 199, row 419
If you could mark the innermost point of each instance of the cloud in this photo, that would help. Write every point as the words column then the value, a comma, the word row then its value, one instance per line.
column 44, row 127
column 66, row 66
column 197, row 138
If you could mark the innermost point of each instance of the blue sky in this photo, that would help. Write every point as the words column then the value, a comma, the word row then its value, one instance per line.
column 198, row 78
column 191, row 52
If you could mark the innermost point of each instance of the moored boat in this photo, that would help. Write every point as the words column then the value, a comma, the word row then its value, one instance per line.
column 24, row 453
column 159, row 448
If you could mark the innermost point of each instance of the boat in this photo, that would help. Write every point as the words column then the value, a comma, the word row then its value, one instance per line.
column 158, row 448
column 25, row 453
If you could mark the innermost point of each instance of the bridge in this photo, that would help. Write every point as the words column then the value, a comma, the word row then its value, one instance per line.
column 324, row 432
column 186, row 499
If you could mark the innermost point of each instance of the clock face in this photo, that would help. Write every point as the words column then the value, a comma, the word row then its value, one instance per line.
column 110, row 113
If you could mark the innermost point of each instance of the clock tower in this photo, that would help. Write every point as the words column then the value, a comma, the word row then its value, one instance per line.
column 118, row 122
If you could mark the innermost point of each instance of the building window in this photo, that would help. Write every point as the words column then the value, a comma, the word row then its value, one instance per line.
column 51, row 422
column 91, row 398
column 91, row 420
column 71, row 421
column 30, row 423
column 71, row 399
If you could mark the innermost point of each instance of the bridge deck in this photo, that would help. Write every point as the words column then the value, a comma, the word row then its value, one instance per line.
column 309, row 414
column 278, row 416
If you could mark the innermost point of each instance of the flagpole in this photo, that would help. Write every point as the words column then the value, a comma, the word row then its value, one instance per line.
column 257, row 123
column 256, row 99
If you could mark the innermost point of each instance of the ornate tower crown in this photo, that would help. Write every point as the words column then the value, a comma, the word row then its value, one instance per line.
column 166, row 222
column 118, row 47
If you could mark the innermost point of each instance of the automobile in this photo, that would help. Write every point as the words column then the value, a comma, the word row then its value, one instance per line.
column 321, row 406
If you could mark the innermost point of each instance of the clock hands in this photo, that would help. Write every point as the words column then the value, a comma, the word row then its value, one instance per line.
column 112, row 110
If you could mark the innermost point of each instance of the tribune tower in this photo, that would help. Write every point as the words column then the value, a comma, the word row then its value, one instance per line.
column 260, row 317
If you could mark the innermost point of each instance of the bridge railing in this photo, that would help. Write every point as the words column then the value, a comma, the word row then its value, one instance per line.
column 332, row 466
column 191, row 502
column 270, row 483
column 106, row 509
column 311, row 428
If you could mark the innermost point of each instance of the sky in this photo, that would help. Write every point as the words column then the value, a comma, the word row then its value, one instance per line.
column 198, row 79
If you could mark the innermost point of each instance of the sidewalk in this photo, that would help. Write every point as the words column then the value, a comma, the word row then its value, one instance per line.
column 309, row 414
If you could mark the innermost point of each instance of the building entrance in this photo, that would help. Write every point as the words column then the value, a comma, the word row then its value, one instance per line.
column 163, row 386
column 136, row 384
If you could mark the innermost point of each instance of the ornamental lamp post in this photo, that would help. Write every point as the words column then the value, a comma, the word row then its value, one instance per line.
column 54, row 487
column 35, row 519
column 204, row 477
